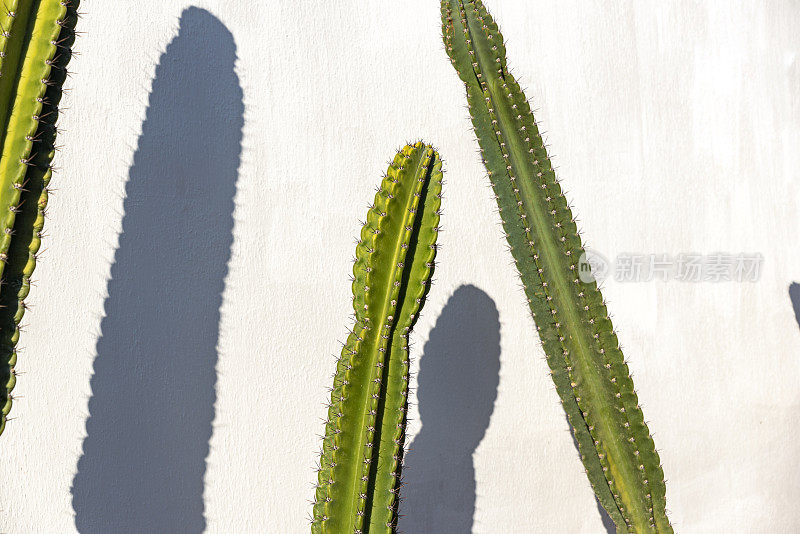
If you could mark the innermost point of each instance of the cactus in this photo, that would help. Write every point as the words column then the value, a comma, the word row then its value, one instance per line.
column 362, row 451
column 35, row 45
column 582, row 350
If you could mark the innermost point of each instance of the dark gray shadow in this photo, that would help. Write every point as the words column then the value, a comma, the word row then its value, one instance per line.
column 457, row 386
column 608, row 523
column 794, row 296
column 153, row 388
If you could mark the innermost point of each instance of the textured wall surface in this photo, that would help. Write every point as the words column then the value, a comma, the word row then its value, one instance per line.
column 193, row 292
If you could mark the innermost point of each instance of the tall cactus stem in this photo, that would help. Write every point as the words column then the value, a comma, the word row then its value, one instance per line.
column 582, row 350
column 362, row 452
column 36, row 39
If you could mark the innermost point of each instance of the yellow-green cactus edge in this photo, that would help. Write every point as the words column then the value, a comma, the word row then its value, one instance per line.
column 36, row 39
column 362, row 452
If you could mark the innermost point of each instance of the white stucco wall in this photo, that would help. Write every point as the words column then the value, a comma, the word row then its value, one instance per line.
column 675, row 127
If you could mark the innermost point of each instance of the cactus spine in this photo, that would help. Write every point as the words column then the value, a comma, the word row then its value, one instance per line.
column 35, row 45
column 359, row 476
column 582, row 350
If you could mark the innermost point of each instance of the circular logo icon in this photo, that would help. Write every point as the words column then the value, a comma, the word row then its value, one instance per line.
column 592, row 266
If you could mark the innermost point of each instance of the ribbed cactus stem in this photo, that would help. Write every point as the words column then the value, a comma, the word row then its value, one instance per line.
column 359, row 476
column 35, row 45
column 582, row 349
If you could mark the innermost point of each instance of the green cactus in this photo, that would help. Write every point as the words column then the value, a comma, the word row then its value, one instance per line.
column 582, row 350
column 35, row 45
column 362, row 452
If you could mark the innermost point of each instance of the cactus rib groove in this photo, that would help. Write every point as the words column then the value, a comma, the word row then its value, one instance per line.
column 36, row 38
column 362, row 451
column 582, row 350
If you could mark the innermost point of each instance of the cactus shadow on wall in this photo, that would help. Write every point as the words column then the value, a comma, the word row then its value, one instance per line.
column 794, row 296
column 457, row 386
column 153, row 387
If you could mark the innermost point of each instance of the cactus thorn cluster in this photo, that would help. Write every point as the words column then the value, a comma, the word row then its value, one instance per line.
column 581, row 346
column 362, row 452
column 35, row 45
